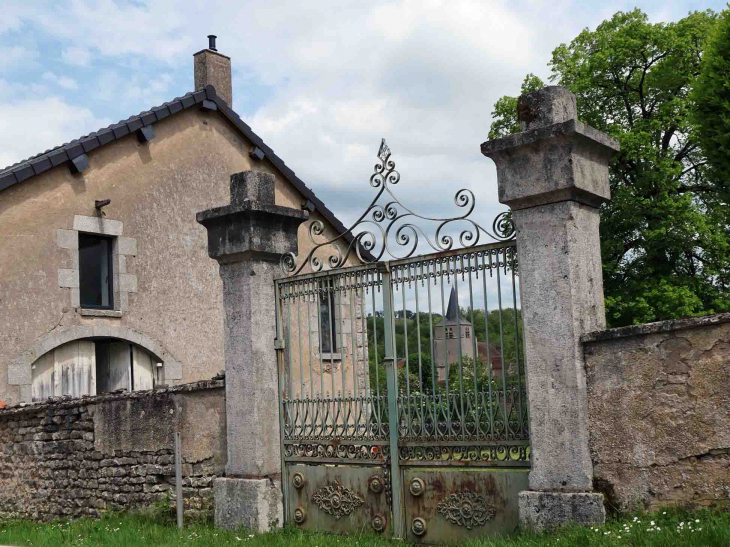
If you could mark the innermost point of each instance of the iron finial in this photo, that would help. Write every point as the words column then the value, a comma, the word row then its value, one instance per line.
column 384, row 151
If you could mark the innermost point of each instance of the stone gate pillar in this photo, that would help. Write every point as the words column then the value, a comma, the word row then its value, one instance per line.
column 247, row 238
column 554, row 176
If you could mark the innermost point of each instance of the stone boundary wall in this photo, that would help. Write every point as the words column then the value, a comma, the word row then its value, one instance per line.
column 80, row 457
column 659, row 411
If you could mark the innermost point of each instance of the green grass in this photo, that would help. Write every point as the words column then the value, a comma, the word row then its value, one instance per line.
column 670, row 528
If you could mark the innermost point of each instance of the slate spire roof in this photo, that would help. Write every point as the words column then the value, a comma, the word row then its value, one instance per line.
column 453, row 313
column 35, row 165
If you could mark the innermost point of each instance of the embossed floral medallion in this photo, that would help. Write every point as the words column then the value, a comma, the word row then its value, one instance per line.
column 336, row 500
column 467, row 509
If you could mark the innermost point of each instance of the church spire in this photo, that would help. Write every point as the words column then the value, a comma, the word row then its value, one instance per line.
column 453, row 313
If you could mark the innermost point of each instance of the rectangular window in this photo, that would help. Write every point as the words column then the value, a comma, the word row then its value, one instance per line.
column 327, row 315
column 95, row 271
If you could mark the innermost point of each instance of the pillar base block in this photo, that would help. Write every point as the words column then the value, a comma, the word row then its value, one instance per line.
column 541, row 511
column 256, row 504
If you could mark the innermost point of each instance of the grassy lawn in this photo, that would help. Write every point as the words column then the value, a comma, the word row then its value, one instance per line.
column 664, row 529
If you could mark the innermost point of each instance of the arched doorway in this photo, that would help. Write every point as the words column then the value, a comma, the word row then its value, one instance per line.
column 94, row 366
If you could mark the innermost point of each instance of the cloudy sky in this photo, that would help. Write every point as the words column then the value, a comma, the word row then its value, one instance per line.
column 321, row 82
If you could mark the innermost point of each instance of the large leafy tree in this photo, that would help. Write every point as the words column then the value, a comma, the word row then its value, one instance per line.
column 664, row 236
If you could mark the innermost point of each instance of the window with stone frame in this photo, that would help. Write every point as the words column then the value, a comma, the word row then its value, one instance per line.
column 327, row 316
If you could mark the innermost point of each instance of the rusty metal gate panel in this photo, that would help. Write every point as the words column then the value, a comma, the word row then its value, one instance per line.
column 447, row 505
column 339, row 499
column 407, row 373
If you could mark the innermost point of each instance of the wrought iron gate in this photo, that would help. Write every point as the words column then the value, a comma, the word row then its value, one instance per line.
column 402, row 395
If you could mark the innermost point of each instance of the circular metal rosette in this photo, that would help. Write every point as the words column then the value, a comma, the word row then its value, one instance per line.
column 378, row 523
column 298, row 480
column 466, row 509
column 375, row 484
column 417, row 487
column 300, row 515
column 418, row 526
column 335, row 501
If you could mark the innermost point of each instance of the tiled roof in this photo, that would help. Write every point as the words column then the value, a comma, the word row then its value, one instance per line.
column 39, row 163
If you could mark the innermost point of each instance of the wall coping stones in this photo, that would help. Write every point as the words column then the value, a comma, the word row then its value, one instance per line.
column 659, row 326
column 71, row 402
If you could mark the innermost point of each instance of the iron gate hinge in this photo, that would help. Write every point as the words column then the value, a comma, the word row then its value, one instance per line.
column 279, row 344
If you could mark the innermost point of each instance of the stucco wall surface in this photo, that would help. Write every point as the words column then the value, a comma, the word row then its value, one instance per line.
column 659, row 407
column 156, row 188
column 80, row 457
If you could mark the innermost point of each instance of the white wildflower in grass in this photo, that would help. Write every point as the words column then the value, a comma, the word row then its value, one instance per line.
column 697, row 521
column 664, row 513
column 238, row 538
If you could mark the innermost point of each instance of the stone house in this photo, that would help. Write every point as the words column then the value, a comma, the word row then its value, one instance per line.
column 105, row 278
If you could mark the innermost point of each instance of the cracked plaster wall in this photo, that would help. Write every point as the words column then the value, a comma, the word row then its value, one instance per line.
column 659, row 408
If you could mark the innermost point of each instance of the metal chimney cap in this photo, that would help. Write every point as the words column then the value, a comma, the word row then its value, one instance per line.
column 211, row 42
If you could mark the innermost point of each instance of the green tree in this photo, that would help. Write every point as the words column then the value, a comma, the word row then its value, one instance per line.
column 712, row 99
column 664, row 235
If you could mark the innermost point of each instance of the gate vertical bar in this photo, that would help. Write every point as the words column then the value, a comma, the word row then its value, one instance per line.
column 281, row 367
column 392, row 378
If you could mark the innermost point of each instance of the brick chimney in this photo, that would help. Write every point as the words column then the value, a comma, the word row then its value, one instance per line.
column 213, row 68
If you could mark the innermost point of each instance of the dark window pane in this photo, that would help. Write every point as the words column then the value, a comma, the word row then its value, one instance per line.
column 327, row 313
column 95, row 272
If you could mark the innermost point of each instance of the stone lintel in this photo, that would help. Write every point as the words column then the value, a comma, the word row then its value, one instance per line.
column 565, row 161
column 541, row 511
column 252, row 503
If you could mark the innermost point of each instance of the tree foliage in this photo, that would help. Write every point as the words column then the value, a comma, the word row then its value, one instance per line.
column 664, row 236
column 712, row 100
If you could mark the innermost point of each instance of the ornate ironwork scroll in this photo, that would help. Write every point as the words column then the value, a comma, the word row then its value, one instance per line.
column 467, row 509
column 336, row 500
column 382, row 220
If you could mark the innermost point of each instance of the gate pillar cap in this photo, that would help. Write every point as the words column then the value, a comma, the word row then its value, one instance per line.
column 252, row 225
column 555, row 158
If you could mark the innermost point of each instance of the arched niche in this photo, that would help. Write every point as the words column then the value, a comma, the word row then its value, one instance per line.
column 94, row 366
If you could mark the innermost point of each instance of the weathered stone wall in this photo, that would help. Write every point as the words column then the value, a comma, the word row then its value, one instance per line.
column 80, row 457
column 659, row 407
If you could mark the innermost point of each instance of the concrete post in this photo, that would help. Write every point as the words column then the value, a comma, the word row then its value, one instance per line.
column 247, row 238
column 554, row 176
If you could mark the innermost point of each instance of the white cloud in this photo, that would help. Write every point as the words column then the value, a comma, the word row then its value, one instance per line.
column 326, row 79
column 14, row 57
column 46, row 123
column 63, row 81
column 76, row 56
column 108, row 85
